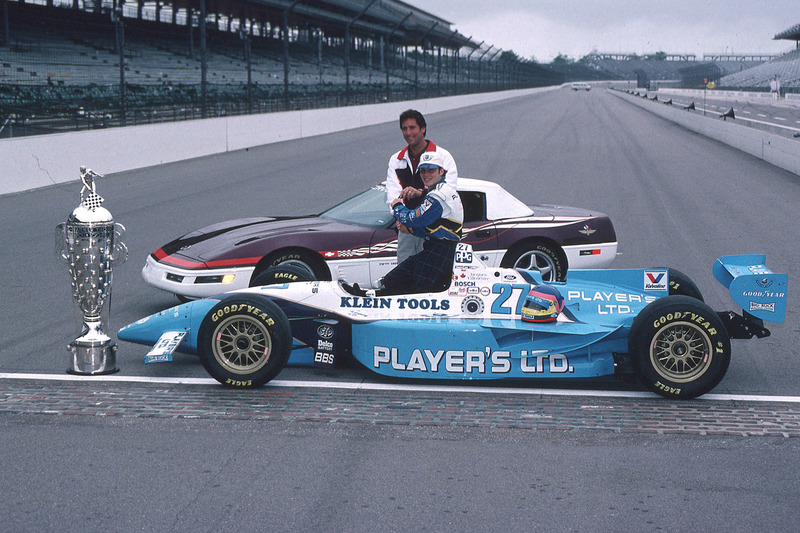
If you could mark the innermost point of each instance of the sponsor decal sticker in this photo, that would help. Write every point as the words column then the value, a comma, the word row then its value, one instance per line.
column 325, row 331
column 498, row 362
column 656, row 280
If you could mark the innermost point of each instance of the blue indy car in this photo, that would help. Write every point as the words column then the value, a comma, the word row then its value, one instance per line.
column 491, row 323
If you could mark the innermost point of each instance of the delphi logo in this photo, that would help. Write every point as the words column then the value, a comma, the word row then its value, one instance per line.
column 655, row 280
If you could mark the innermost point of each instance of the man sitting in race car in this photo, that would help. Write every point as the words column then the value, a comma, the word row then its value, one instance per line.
column 439, row 218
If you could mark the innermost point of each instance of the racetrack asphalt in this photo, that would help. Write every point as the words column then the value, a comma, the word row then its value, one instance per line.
column 95, row 455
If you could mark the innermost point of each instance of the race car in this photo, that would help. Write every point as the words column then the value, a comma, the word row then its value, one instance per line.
column 356, row 241
column 491, row 323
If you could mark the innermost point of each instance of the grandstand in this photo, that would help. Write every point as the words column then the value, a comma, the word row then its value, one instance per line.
column 785, row 69
column 91, row 63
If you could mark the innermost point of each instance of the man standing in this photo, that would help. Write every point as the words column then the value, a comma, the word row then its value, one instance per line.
column 403, row 179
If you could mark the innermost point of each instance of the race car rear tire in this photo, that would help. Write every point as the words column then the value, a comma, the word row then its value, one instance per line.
column 680, row 283
column 679, row 347
column 283, row 273
column 244, row 341
column 548, row 259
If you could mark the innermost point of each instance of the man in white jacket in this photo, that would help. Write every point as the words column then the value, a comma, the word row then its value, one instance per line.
column 403, row 179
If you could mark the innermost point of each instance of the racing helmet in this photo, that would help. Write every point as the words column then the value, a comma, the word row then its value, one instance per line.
column 542, row 304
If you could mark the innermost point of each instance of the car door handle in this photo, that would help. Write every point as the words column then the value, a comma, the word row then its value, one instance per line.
column 483, row 233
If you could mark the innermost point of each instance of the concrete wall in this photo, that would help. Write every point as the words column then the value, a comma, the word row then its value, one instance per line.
column 780, row 151
column 37, row 161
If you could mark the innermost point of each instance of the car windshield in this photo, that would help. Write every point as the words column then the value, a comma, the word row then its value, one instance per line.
column 367, row 209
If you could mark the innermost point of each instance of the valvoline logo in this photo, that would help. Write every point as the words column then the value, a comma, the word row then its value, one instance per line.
column 656, row 280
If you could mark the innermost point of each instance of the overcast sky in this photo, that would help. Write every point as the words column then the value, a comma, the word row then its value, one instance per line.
column 542, row 29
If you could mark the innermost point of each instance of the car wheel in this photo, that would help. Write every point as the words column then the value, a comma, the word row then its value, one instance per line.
column 548, row 259
column 309, row 261
column 680, row 347
column 681, row 284
column 244, row 341
column 287, row 272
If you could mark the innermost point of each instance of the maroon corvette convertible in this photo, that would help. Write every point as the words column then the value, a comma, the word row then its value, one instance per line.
column 356, row 241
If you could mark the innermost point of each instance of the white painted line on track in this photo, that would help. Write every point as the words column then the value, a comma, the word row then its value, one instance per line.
column 361, row 386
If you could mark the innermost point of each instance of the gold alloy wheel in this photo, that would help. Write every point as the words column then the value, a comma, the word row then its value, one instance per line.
column 241, row 345
column 681, row 352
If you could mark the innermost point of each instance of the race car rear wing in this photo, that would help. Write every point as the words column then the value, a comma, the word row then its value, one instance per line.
column 760, row 293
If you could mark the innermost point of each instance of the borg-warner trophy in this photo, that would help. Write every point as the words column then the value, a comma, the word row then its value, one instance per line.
column 91, row 242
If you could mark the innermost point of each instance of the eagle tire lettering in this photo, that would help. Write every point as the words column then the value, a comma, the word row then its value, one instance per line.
column 679, row 347
column 244, row 340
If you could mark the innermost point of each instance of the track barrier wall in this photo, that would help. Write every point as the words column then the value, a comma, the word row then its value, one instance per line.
column 783, row 152
column 38, row 161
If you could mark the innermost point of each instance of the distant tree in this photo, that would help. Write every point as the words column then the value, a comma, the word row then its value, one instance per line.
column 658, row 56
column 562, row 59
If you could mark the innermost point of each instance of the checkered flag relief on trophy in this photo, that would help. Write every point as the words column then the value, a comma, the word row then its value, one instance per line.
column 92, row 200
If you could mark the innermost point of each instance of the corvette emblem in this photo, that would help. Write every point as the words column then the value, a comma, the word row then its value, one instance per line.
column 587, row 230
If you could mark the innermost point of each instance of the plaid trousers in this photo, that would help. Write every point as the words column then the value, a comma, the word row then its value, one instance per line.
column 428, row 271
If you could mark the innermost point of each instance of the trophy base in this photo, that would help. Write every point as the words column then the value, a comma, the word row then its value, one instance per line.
column 93, row 359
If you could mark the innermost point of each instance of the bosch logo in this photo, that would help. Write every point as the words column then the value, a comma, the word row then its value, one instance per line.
column 325, row 331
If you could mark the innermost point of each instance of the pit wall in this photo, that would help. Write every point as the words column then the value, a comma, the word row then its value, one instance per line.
column 38, row 161
column 780, row 151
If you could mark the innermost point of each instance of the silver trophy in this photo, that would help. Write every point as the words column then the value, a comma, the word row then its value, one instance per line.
column 91, row 242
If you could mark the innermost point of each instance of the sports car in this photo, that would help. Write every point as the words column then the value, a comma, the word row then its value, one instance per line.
column 491, row 323
column 356, row 241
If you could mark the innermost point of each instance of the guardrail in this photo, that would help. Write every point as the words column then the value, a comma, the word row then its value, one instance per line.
column 783, row 152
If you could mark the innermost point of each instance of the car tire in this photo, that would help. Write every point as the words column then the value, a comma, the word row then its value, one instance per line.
column 244, row 341
column 283, row 273
column 681, row 284
column 310, row 261
column 548, row 259
column 679, row 347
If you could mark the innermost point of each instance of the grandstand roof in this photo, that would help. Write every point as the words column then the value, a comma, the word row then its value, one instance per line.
column 792, row 34
column 405, row 23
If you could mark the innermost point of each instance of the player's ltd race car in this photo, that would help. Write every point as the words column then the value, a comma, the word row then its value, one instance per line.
column 356, row 241
column 490, row 323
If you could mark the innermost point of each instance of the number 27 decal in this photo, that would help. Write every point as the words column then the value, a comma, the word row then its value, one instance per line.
column 507, row 293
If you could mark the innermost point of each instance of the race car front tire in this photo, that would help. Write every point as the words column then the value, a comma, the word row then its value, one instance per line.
column 244, row 341
column 679, row 347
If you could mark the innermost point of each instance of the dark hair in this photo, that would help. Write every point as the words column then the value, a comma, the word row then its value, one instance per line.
column 416, row 115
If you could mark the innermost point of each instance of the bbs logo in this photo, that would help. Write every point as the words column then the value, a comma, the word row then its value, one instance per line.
column 325, row 331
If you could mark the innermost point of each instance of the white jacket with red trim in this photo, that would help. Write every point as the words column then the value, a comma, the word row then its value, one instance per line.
column 399, row 175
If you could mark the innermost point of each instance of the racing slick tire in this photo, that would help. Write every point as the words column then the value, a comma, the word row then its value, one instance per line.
column 244, row 341
column 288, row 272
column 680, row 347
column 680, row 283
column 548, row 259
